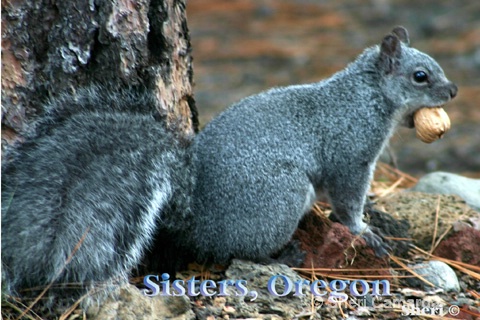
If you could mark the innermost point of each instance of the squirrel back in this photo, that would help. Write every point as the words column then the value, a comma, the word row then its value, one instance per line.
column 85, row 193
column 260, row 163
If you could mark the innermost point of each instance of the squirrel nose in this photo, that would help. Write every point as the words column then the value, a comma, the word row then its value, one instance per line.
column 453, row 90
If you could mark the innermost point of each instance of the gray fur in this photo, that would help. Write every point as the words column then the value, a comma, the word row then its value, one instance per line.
column 258, row 162
column 100, row 160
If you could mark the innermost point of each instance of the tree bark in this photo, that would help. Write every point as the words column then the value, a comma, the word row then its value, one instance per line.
column 52, row 46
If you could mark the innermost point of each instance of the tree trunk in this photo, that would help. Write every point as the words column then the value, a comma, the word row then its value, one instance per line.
column 52, row 46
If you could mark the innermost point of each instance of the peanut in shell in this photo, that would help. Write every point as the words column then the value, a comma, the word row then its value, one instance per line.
column 431, row 124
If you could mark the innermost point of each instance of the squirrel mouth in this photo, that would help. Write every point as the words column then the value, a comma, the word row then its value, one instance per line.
column 408, row 120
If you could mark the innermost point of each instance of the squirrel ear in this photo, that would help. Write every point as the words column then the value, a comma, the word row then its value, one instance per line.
column 390, row 52
column 391, row 46
column 402, row 34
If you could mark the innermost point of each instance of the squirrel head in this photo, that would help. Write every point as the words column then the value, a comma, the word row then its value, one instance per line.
column 410, row 78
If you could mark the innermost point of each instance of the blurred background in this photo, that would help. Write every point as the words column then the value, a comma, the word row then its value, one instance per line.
column 241, row 47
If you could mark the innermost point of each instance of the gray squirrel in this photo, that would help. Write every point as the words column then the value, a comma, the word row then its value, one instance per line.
column 99, row 171
column 97, row 176
column 260, row 163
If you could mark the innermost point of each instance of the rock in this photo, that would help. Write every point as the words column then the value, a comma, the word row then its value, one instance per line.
column 463, row 246
column 129, row 303
column 331, row 245
column 420, row 209
column 438, row 273
column 450, row 183
column 257, row 277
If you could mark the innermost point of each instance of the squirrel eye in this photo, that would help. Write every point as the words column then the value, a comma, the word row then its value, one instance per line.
column 420, row 76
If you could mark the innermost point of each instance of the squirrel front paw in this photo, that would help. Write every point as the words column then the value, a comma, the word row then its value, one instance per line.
column 374, row 238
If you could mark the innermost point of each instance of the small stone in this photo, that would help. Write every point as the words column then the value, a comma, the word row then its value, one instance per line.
column 413, row 293
column 436, row 272
column 362, row 312
column 219, row 302
column 229, row 309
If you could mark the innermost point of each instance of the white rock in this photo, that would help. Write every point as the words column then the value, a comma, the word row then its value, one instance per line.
column 449, row 183
column 438, row 273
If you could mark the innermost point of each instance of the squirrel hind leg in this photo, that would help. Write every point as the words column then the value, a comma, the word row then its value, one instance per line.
column 291, row 254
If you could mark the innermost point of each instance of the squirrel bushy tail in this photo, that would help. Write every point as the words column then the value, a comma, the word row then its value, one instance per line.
column 99, row 164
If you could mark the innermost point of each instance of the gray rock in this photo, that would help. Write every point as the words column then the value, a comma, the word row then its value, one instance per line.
column 449, row 183
column 436, row 272
column 129, row 303
column 257, row 277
